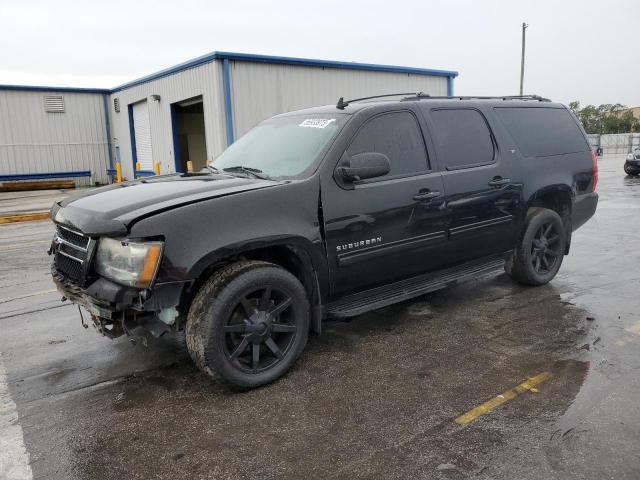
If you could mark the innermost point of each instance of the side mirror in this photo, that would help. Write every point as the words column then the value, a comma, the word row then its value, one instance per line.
column 364, row 165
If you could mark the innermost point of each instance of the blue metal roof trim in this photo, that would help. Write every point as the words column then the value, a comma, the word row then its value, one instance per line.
column 41, row 88
column 245, row 57
column 248, row 57
column 208, row 58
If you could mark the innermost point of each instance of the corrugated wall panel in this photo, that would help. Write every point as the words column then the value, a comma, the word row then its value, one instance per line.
column 34, row 141
column 204, row 80
column 261, row 90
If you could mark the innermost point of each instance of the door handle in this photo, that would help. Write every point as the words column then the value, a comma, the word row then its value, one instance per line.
column 426, row 195
column 499, row 182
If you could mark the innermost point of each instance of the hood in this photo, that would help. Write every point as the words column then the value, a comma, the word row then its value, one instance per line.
column 112, row 209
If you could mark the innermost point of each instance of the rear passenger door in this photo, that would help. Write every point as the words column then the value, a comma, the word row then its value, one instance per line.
column 481, row 199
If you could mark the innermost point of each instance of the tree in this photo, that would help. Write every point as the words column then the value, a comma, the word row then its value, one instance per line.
column 606, row 118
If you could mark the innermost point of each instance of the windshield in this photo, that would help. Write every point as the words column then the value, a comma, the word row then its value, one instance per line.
column 281, row 147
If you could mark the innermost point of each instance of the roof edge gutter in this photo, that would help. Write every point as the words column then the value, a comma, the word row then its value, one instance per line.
column 245, row 57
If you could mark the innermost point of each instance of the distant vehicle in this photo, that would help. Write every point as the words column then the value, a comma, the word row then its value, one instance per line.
column 328, row 212
column 632, row 163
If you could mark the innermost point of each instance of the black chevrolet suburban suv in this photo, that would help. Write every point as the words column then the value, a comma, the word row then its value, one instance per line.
column 327, row 212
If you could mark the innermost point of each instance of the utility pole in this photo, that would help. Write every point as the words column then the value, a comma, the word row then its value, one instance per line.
column 524, row 28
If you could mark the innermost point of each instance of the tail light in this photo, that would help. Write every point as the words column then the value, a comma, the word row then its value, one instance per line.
column 595, row 169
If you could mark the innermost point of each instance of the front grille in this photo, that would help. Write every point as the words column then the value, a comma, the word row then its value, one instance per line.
column 68, row 267
column 72, row 253
column 77, row 238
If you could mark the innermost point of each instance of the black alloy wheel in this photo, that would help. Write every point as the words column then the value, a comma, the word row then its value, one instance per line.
column 539, row 251
column 260, row 330
column 545, row 248
column 248, row 323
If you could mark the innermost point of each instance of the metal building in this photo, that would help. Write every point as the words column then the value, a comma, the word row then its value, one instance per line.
column 194, row 110
column 50, row 132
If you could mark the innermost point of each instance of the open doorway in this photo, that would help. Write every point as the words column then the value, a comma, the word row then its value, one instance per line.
column 188, row 134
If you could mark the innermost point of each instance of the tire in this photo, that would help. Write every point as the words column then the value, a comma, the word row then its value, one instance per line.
column 246, row 309
column 630, row 171
column 538, row 255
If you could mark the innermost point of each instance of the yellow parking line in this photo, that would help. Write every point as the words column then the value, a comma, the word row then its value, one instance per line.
column 24, row 217
column 495, row 402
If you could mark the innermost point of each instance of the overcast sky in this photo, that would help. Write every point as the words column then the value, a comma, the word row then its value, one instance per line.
column 576, row 50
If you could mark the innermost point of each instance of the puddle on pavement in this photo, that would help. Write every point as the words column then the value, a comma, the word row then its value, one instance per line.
column 360, row 387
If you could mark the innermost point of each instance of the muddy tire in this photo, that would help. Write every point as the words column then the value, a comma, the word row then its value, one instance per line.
column 538, row 255
column 630, row 171
column 248, row 324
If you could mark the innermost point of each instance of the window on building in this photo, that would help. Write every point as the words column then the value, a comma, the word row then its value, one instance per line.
column 463, row 138
column 398, row 136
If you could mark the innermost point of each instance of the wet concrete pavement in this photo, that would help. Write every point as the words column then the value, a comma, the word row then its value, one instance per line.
column 373, row 398
column 12, row 203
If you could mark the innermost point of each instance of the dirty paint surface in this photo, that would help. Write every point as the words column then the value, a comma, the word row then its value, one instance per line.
column 373, row 398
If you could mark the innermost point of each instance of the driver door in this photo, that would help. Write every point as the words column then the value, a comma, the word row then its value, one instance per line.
column 391, row 227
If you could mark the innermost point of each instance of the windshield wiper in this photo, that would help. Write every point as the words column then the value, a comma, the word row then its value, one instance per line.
column 254, row 172
column 212, row 169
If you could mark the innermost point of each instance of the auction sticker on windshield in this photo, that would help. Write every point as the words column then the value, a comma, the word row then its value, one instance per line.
column 317, row 122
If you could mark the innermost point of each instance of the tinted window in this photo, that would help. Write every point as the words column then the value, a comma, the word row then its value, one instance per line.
column 463, row 138
column 541, row 132
column 398, row 136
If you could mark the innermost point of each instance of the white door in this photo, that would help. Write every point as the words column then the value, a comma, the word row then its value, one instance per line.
column 142, row 131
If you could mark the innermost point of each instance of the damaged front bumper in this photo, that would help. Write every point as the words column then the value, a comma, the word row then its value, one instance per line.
column 117, row 310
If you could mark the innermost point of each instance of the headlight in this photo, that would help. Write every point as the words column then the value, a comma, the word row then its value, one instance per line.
column 129, row 263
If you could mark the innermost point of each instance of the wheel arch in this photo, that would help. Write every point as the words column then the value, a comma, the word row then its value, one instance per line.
column 558, row 198
column 297, row 255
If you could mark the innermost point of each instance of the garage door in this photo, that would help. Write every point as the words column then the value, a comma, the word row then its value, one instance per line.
column 142, row 131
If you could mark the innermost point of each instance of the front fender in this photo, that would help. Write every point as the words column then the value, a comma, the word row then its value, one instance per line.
column 299, row 245
column 199, row 235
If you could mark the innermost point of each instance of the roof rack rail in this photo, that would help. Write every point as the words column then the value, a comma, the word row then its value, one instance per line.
column 342, row 103
column 422, row 96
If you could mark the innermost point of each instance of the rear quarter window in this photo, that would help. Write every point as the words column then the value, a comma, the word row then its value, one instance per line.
column 542, row 131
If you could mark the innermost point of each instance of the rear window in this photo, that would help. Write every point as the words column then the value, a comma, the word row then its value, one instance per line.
column 542, row 132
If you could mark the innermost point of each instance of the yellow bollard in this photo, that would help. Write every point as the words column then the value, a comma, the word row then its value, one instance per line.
column 157, row 168
column 137, row 166
column 118, row 172
column 189, row 166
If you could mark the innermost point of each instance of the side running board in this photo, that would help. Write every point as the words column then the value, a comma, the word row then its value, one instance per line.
column 386, row 295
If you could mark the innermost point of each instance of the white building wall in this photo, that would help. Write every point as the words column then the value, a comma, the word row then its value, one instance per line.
column 205, row 80
column 35, row 141
column 261, row 90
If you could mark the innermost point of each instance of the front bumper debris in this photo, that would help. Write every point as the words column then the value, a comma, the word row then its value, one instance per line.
column 116, row 310
column 76, row 295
